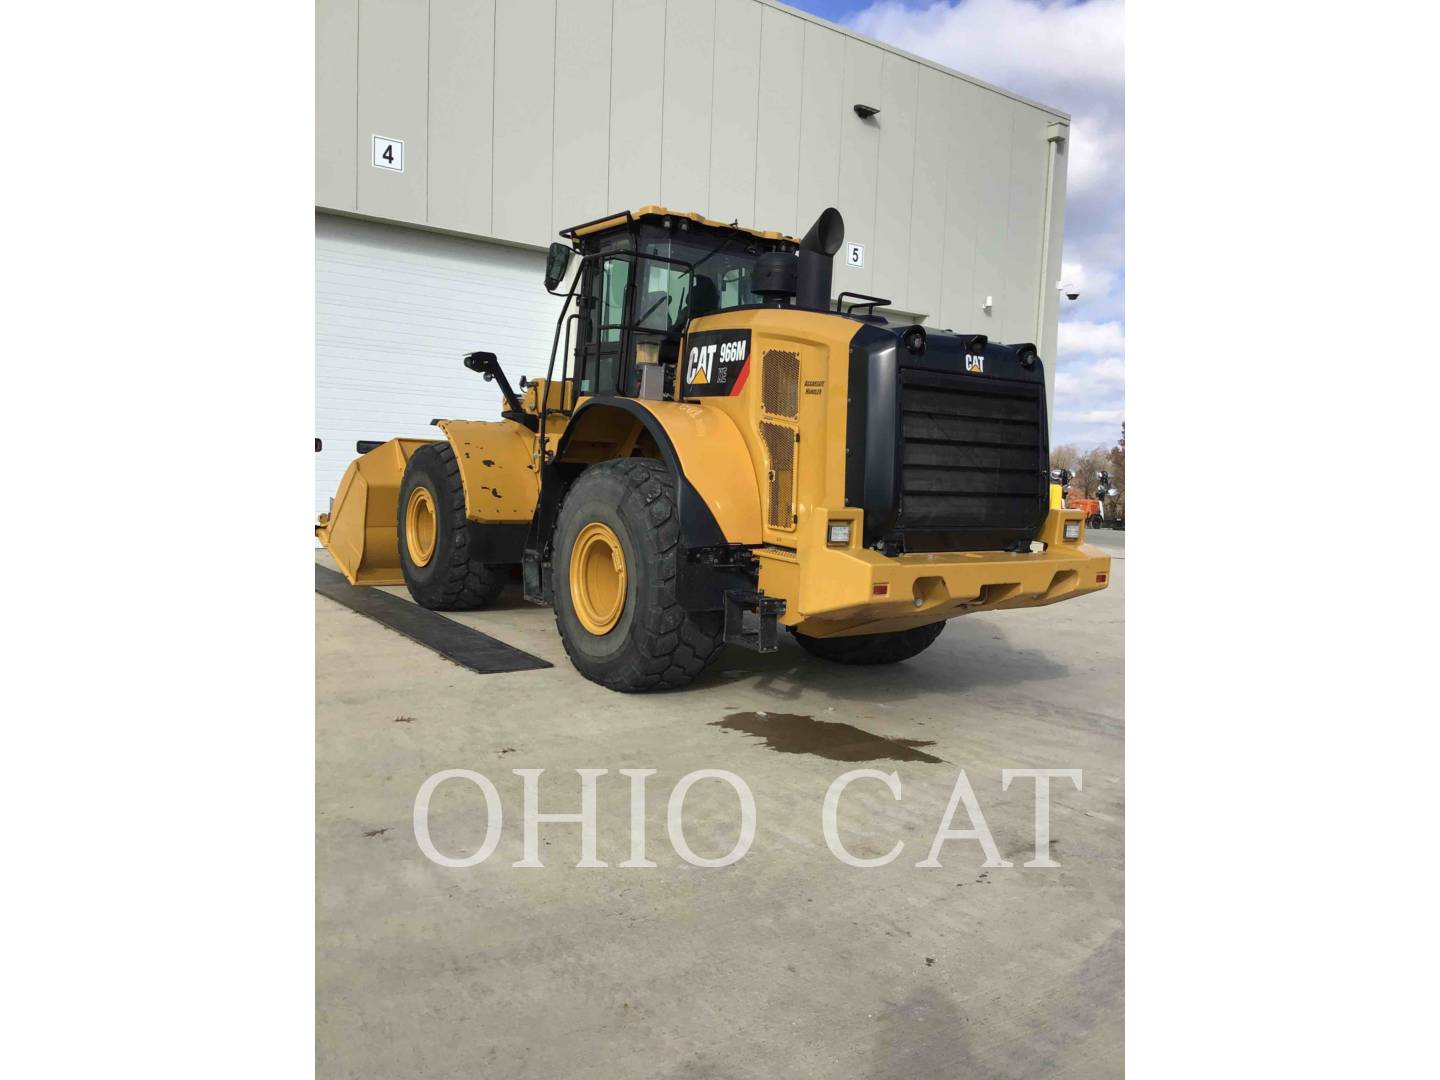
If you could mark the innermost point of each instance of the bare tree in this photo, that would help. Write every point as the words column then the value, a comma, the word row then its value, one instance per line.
column 1115, row 508
column 1087, row 469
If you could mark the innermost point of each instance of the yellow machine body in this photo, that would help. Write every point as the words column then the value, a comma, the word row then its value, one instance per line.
column 836, row 590
column 791, row 415
column 769, row 461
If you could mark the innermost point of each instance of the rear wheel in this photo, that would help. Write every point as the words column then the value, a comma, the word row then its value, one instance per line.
column 873, row 648
column 434, row 536
column 616, row 575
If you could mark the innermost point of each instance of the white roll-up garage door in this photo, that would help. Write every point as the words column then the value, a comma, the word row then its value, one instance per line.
column 395, row 311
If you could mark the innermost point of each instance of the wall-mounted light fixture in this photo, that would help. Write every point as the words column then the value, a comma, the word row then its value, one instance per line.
column 864, row 112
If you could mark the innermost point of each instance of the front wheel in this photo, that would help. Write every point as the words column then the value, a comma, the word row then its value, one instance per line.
column 616, row 574
column 434, row 536
column 872, row 648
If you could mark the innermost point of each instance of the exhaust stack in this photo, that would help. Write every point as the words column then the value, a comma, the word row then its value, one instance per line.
column 817, row 260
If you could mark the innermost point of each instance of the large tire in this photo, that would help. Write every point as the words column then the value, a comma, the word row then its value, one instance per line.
column 619, row 614
column 435, row 559
column 873, row 648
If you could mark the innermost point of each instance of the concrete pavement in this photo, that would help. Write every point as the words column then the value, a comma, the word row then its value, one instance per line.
column 785, row 963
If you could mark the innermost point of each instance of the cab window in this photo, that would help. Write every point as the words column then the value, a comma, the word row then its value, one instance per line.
column 614, row 279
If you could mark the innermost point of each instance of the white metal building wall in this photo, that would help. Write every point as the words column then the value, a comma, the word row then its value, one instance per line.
column 522, row 117
column 395, row 311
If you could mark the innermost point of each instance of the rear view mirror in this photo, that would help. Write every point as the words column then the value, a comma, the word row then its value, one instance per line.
column 556, row 263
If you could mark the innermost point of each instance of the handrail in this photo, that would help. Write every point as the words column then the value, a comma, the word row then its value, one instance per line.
column 866, row 301
column 574, row 230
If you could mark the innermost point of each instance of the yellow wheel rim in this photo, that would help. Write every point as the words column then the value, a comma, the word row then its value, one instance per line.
column 597, row 578
column 420, row 526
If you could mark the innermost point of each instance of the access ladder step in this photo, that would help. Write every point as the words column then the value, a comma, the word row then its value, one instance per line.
column 763, row 639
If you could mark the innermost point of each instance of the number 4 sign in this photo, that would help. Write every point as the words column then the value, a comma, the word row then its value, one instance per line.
column 387, row 153
column 854, row 254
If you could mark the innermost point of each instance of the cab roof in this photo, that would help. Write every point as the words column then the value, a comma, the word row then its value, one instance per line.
column 625, row 217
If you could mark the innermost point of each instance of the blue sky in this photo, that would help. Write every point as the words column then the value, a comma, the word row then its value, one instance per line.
column 1069, row 54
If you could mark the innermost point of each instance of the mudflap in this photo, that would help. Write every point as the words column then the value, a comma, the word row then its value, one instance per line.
column 766, row 637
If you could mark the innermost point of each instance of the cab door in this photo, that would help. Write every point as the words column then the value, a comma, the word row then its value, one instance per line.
column 608, row 290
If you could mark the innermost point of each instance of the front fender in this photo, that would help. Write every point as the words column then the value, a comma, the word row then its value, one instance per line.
column 496, row 469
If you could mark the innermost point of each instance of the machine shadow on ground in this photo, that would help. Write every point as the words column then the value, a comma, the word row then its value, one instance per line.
column 967, row 656
column 973, row 653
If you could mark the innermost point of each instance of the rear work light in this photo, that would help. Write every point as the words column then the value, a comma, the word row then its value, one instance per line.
column 1072, row 530
column 839, row 532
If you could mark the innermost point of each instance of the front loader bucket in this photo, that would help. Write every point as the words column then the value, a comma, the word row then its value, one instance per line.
column 360, row 529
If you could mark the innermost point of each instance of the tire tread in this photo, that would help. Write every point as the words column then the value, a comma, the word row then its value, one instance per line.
column 467, row 584
column 671, row 646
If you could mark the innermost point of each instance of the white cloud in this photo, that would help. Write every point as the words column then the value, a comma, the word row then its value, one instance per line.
column 1046, row 50
column 1097, row 156
column 1093, row 416
column 1102, row 378
column 1089, row 401
column 1091, row 337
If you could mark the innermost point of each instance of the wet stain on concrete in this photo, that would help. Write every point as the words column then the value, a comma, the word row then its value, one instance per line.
column 376, row 832
column 792, row 733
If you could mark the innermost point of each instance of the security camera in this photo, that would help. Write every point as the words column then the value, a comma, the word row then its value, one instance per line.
column 1072, row 292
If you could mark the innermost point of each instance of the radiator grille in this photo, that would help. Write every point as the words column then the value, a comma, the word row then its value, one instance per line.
column 780, row 384
column 974, row 453
column 779, row 443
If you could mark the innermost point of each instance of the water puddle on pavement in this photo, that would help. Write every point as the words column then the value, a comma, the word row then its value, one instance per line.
column 792, row 733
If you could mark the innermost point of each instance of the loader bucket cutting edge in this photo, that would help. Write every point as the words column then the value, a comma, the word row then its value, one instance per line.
column 359, row 531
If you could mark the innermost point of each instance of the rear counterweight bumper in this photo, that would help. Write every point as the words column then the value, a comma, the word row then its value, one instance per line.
column 833, row 591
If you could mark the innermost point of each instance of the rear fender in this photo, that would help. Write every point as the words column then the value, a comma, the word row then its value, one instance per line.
column 719, row 499
column 719, row 502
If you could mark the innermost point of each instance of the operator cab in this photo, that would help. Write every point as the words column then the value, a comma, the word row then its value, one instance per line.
column 643, row 276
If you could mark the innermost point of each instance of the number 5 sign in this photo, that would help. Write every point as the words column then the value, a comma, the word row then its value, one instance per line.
column 854, row 254
column 387, row 153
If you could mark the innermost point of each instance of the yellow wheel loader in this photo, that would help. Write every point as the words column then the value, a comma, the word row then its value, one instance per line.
column 715, row 452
